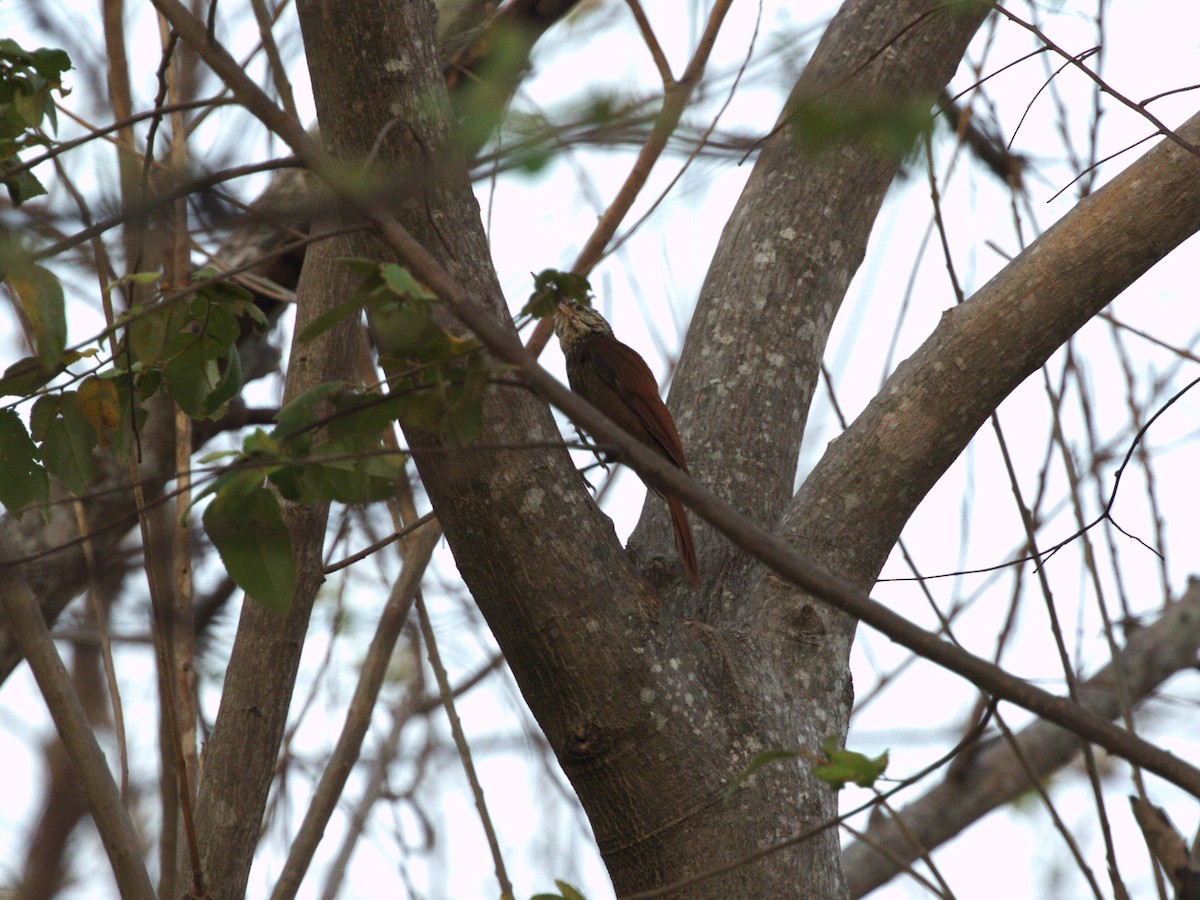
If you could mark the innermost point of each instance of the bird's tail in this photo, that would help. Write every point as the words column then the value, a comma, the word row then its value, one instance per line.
column 683, row 540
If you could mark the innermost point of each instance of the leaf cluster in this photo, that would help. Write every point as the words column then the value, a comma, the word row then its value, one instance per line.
column 436, row 379
column 328, row 443
column 190, row 348
column 551, row 287
column 186, row 347
column 326, row 446
column 27, row 80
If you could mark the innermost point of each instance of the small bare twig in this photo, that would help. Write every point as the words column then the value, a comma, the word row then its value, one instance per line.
column 464, row 749
column 341, row 762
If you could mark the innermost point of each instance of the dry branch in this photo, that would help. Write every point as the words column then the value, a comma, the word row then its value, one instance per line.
column 994, row 775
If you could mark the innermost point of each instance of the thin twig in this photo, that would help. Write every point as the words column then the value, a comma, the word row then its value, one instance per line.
column 651, row 41
column 676, row 95
column 358, row 718
column 464, row 749
column 278, row 71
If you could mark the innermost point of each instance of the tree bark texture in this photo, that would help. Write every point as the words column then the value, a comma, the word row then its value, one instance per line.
column 653, row 704
column 239, row 759
column 653, row 697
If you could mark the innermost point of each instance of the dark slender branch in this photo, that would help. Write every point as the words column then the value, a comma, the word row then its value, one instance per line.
column 345, row 754
column 990, row 775
column 161, row 201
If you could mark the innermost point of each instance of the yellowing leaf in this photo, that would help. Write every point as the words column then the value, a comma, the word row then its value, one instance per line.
column 98, row 401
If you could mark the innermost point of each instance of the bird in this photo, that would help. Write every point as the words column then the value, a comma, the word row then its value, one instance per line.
column 615, row 379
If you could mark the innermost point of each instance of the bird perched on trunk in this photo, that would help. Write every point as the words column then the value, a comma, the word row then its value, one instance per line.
column 616, row 380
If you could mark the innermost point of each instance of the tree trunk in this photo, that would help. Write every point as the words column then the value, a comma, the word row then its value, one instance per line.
column 655, row 703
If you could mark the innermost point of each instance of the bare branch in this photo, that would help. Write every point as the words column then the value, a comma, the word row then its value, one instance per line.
column 358, row 717
column 991, row 775
column 104, row 800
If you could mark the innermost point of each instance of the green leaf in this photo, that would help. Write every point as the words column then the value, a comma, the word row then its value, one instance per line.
column 219, row 289
column 74, row 356
column 228, row 387
column 22, row 480
column 247, row 529
column 190, row 378
column 331, row 317
column 67, row 440
column 216, row 456
column 401, row 282
column 50, row 63
column 41, row 298
column 843, row 766
column 293, row 420
column 566, row 891
column 254, row 313
column 214, row 311
column 351, row 480
column 245, row 474
column 259, row 443
column 405, row 330
column 364, row 268
column 24, row 377
column 23, row 186
column 31, row 107
column 191, row 374
column 464, row 422
column 362, row 418
column 532, row 159
column 148, row 383
column 887, row 126
column 152, row 328
column 550, row 287
column 141, row 278
column 757, row 763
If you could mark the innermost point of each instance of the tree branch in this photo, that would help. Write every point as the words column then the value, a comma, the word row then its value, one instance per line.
column 29, row 630
column 358, row 717
column 751, row 361
column 993, row 775
column 933, row 404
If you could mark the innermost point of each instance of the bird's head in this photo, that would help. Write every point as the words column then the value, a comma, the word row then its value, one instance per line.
column 573, row 322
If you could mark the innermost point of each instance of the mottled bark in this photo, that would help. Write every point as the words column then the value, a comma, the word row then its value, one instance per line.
column 651, row 717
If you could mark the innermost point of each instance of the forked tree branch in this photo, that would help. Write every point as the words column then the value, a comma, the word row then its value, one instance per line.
column 769, row 549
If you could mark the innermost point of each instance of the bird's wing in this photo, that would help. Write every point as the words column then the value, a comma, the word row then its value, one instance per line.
column 627, row 374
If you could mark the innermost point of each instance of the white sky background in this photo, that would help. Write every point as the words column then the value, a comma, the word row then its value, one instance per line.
column 648, row 290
